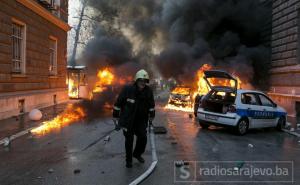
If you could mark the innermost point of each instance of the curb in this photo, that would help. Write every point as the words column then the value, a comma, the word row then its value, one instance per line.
column 291, row 133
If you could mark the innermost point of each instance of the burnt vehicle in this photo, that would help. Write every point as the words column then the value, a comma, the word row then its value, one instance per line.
column 225, row 105
column 196, row 103
column 181, row 97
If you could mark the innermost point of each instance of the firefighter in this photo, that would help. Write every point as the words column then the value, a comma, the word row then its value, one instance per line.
column 133, row 110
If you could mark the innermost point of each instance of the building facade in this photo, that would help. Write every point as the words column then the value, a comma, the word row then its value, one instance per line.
column 285, row 63
column 33, row 51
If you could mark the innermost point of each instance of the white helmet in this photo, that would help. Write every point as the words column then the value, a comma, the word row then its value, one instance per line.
column 142, row 74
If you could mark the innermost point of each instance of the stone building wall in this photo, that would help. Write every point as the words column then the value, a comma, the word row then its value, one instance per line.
column 37, row 87
column 285, row 71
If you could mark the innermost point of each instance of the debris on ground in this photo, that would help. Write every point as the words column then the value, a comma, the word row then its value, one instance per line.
column 39, row 177
column 50, row 170
column 174, row 143
column 107, row 138
column 160, row 130
column 76, row 171
column 6, row 142
column 214, row 149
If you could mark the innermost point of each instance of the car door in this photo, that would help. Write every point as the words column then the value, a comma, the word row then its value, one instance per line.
column 269, row 110
column 252, row 109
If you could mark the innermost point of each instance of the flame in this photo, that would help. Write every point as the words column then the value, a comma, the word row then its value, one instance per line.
column 72, row 88
column 179, row 108
column 184, row 91
column 181, row 90
column 70, row 115
column 202, row 87
column 105, row 77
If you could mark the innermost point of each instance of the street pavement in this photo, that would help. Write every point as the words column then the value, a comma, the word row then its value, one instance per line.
column 78, row 155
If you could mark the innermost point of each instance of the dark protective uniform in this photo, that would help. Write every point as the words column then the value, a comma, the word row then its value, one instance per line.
column 133, row 108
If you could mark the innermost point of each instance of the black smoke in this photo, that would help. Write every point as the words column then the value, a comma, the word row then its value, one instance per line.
column 227, row 34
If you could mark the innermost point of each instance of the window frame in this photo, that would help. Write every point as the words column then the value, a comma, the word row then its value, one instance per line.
column 256, row 98
column 54, row 64
column 23, row 45
column 273, row 104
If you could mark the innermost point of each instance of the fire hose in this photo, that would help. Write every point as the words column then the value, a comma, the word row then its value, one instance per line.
column 154, row 158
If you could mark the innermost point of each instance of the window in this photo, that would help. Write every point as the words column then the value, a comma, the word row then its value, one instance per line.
column 250, row 99
column 18, row 46
column 53, row 56
column 265, row 101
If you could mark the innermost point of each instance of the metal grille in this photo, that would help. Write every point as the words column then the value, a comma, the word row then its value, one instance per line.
column 53, row 62
column 17, row 47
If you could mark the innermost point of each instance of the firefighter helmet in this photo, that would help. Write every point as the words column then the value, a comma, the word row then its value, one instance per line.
column 142, row 74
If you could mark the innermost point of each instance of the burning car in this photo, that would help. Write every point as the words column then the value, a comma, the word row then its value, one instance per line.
column 225, row 105
column 181, row 97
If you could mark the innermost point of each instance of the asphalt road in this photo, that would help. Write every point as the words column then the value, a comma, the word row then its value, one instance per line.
column 54, row 158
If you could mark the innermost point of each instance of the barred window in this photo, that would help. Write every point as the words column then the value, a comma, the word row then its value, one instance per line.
column 53, row 56
column 18, row 48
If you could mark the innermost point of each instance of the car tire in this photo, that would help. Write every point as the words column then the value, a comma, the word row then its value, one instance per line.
column 242, row 127
column 281, row 124
column 203, row 125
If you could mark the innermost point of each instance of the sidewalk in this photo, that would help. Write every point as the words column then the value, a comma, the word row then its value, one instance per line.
column 294, row 131
column 19, row 123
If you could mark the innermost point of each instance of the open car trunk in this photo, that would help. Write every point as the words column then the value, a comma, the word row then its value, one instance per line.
column 218, row 101
column 223, row 91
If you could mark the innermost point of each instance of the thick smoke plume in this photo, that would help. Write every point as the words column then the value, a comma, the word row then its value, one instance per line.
column 174, row 38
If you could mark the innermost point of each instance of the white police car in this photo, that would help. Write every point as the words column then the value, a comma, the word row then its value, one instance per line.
column 225, row 105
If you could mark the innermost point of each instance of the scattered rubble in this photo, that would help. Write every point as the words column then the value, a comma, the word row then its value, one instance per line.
column 107, row 138
column 6, row 142
column 174, row 143
column 215, row 149
column 76, row 171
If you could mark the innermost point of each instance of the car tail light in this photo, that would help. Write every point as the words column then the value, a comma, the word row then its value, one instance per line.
column 232, row 108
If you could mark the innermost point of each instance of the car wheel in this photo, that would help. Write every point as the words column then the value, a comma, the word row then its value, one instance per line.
column 203, row 125
column 281, row 124
column 242, row 127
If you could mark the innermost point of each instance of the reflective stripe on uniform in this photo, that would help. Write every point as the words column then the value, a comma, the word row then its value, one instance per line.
column 117, row 108
column 152, row 109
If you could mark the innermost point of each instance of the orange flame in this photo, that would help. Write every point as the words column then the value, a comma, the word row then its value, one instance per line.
column 70, row 115
column 72, row 89
column 202, row 87
column 184, row 91
column 105, row 77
